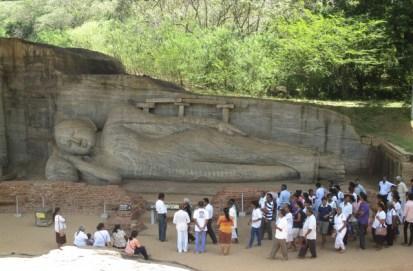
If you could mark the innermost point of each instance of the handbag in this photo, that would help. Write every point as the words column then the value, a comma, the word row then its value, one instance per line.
column 381, row 231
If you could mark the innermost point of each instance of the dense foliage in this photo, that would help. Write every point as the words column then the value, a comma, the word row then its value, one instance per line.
column 328, row 49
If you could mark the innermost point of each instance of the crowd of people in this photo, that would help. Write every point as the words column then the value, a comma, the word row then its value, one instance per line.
column 101, row 238
column 293, row 220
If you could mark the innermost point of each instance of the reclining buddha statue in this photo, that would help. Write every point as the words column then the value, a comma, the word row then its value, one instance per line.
column 134, row 144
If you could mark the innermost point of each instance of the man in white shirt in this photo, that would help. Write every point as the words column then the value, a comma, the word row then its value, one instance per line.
column 358, row 189
column 310, row 235
column 319, row 193
column 384, row 189
column 281, row 233
column 402, row 190
column 262, row 199
column 201, row 220
column 181, row 220
column 210, row 231
column 256, row 220
column 161, row 210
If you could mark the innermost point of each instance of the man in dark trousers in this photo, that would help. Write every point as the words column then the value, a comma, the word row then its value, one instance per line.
column 188, row 209
column 310, row 235
column 268, row 210
column 161, row 210
column 210, row 230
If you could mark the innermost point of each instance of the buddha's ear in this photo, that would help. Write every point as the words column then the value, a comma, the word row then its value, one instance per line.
column 91, row 123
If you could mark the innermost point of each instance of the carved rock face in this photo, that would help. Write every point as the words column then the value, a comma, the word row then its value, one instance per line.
column 76, row 136
column 58, row 169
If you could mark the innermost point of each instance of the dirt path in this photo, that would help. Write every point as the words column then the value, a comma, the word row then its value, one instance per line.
column 19, row 235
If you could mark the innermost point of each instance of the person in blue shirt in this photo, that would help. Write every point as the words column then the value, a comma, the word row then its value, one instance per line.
column 284, row 197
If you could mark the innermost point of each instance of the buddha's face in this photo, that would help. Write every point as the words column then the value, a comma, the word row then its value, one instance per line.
column 76, row 137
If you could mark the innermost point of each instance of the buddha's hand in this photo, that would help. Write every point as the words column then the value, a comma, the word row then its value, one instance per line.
column 229, row 129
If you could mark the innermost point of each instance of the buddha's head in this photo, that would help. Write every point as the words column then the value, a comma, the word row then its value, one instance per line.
column 76, row 136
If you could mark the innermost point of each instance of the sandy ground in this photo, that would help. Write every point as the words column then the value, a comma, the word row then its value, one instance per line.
column 20, row 236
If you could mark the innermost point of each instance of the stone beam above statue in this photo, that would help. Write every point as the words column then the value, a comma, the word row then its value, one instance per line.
column 184, row 102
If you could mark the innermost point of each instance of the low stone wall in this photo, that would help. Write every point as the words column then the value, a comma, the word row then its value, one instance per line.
column 387, row 159
column 70, row 197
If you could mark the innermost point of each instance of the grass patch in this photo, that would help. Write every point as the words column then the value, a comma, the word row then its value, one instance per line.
column 392, row 124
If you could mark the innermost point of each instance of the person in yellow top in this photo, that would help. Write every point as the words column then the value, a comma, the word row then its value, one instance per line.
column 225, row 224
column 134, row 247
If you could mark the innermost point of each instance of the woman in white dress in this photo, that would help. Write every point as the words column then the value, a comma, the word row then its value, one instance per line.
column 340, row 226
column 290, row 221
column 59, row 227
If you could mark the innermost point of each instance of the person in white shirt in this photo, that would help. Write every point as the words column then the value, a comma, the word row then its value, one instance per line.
column 347, row 211
column 59, row 227
column 80, row 237
column 402, row 190
column 290, row 220
column 263, row 199
column 201, row 220
column 340, row 226
column 310, row 235
column 255, row 222
column 281, row 234
column 340, row 195
column 359, row 188
column 101, row 236
column 332, row 201
column 181, row 220
column 393, row 191
column 398, row 208
column 378, row 224
column 161, row 210
column 210, row 230
column 234, row 215
column 384, row 189
column 347, row 207
column 319, row 195
column 391, row 223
